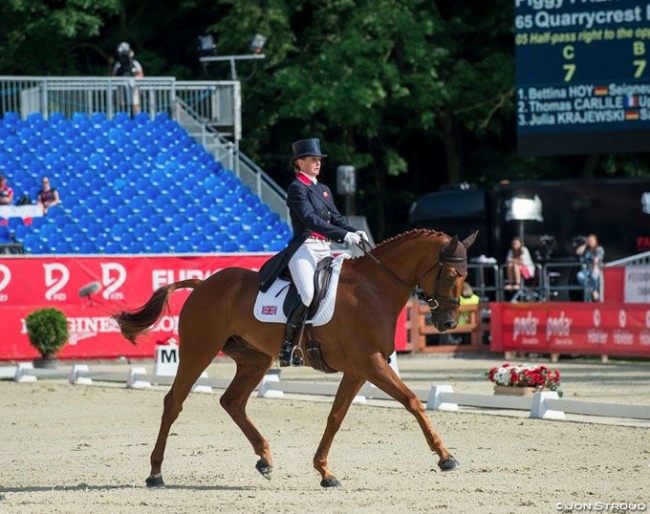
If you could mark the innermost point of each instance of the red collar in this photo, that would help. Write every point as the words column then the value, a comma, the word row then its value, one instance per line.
column 304, row 178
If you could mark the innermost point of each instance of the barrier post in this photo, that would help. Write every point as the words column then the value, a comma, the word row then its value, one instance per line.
column 436, row 401
column 540, row 410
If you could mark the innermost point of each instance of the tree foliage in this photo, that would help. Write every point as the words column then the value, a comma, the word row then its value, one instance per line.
column 414, row 93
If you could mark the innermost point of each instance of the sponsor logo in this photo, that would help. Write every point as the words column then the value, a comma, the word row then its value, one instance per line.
column 527, row 328
column 623, row 337
column 595, row 335
column 5, row 278
column 113, row 277
column 162, row 277
column 269, row 310
column 560, row 328
column 57, row 276
column 597, row 318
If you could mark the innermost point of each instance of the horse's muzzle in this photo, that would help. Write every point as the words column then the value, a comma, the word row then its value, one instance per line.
column 443, row 326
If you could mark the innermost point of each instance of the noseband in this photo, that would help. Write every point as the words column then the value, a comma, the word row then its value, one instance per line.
column 432, row 301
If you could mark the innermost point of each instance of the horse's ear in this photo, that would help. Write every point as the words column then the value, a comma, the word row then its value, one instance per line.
column 469, row 241
column 451, row 247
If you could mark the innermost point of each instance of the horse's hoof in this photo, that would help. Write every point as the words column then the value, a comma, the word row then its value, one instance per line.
column 449, row 464
column 330, row 482
column 264, row 469
column 155, row 481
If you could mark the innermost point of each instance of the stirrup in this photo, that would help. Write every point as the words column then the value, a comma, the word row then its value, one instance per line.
column 294, row 359
column 297, row 359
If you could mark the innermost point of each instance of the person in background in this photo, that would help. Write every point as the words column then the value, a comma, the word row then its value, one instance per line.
column 48, row 196
column 592, row 255
column 519, row 264
column 467, row 297
column 316, row 222
column 6, row 193
column 127, row 66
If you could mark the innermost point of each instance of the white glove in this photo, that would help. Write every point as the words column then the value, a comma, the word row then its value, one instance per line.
column 352, row 238
column 362, row 235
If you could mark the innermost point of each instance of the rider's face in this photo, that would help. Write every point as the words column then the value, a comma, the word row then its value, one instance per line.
column 309, row 165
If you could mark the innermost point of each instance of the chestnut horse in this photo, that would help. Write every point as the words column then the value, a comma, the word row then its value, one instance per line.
column 373, row 289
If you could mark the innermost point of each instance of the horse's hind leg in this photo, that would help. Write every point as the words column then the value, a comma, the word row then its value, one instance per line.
column 383, row 376
column 251, row 366
column 190, row 368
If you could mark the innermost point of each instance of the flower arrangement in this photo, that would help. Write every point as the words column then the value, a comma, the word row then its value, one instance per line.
column 522, row 375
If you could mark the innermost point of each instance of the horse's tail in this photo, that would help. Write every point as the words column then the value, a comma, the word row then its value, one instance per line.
column 132, row 324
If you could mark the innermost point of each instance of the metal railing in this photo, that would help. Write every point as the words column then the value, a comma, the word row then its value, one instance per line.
column 229, row 154
column 216, row 103
column 640, row 259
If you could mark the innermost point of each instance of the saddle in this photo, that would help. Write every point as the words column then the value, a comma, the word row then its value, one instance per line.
column 322, row 279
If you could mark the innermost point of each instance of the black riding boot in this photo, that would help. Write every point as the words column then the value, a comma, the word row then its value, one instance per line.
column 294, row 322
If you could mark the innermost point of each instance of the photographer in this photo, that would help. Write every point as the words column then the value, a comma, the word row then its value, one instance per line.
column 127, row 66
column 592, row 255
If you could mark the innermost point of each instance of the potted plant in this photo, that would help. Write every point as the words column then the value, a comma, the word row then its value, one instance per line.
column 523, row 380
column 47, row 330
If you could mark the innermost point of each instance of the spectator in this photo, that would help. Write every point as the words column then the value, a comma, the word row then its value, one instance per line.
column 6, row 193
column 48, row 196
column 127, row 66
column 519, row 264
column 592, row 255
column 467, row 297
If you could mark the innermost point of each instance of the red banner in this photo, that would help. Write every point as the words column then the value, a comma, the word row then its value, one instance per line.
column 572, row 328
column 28, row 283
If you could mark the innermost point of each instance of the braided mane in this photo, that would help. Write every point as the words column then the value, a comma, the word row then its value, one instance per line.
column 411, row 233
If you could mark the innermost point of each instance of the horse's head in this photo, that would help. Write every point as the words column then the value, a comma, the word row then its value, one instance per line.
column 446, row 282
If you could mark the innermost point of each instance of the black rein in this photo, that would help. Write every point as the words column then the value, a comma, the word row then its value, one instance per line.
column 432, row 301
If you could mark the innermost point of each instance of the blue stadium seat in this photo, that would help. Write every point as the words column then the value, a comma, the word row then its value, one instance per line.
column 159, row 247
column 205, row 247
column 184, row 247
column 229, row 247
column 254, row 245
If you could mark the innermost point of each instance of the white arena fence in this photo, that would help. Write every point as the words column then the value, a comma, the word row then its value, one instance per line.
column 542, row 405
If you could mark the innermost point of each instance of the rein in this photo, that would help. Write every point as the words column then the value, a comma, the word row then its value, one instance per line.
column 432, row 301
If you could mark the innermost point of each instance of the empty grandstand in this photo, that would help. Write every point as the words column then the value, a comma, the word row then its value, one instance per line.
column 130, row 186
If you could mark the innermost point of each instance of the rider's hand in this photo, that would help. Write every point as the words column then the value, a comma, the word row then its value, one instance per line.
column 362, row 235
column 352, row 238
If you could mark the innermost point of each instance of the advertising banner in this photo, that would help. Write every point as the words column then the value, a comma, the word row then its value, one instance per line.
column 572, row 328
column 90, row 289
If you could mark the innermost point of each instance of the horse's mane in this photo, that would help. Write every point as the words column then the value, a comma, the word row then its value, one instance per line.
column 416, row 232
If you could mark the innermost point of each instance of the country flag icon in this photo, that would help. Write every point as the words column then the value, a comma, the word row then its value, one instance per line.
column 631, row 115
column 631, row 101
column 601, row 90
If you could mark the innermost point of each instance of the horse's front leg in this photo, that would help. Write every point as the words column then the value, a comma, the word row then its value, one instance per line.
column 383, row 376
column 348, row 389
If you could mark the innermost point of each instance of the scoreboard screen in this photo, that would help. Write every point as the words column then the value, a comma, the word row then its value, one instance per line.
column 583, row 76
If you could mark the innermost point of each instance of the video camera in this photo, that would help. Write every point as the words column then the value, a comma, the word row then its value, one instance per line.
column 125, row 60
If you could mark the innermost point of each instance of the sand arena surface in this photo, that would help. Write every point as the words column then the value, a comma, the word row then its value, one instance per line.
column 85, row 449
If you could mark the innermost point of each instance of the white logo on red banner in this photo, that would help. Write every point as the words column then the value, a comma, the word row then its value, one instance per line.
column 113, row 277
column 56, row 277
column 647, row 319
column 5, row 278
column 597, row 318
column 525, row 326
column 163, row 277
column 622, row 318
column 559, row 327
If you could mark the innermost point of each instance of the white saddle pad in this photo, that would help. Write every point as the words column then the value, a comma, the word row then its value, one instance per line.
column 268, row 305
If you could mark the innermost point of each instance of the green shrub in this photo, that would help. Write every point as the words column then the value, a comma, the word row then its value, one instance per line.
column 47, row 330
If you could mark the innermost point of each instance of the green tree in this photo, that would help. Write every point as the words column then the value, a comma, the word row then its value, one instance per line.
column 42, row 37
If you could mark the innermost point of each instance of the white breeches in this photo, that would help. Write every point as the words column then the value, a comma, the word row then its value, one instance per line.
column 303, row 266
